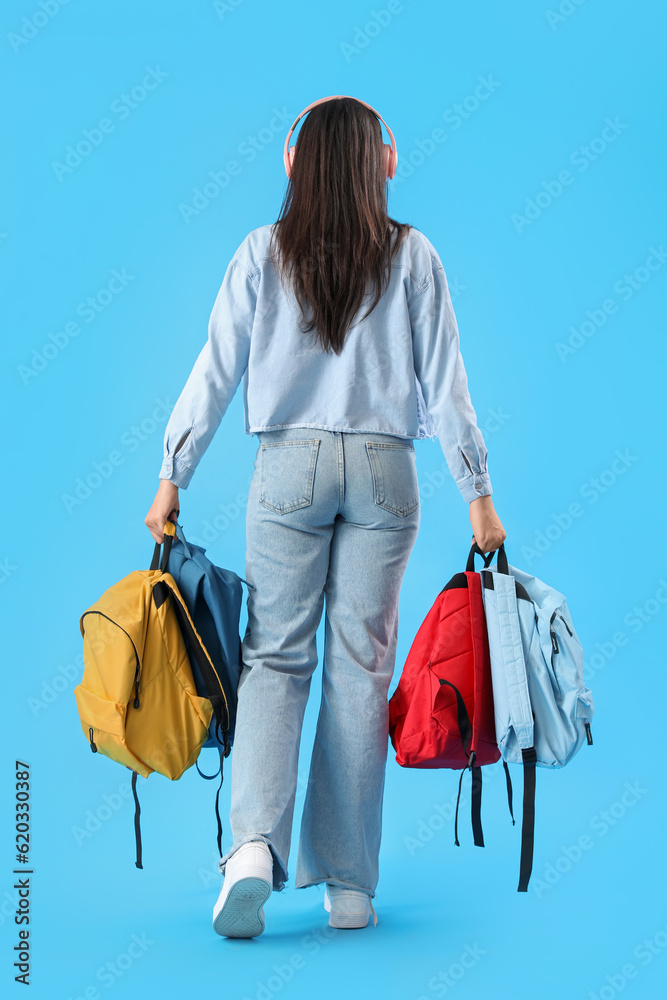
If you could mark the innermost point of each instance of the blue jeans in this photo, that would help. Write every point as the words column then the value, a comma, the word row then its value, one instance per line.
column 331, row 514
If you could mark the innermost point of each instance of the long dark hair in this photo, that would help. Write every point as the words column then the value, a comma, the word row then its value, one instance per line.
column 333, row 239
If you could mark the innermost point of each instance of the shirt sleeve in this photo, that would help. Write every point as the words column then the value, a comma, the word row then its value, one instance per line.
column 214, row 378
column 442, row 376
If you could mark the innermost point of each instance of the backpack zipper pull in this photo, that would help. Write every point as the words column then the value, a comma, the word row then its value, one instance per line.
column 554, row 641
column 93, row 745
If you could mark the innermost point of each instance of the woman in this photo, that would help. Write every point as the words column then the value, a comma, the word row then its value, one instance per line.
column 339, row 321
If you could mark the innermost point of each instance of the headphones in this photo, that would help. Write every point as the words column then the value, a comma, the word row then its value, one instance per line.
column 390, row 153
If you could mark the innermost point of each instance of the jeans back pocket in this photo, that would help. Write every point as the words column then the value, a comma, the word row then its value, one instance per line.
column 394, row 471
column 287, row 473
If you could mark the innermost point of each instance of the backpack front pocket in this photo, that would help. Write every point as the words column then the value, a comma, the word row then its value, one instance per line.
column 287, row 474
column 103, row 722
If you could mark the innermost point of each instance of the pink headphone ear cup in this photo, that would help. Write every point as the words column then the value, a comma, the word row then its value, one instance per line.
column 394, row 162
column 389, row 163
column 292, row 151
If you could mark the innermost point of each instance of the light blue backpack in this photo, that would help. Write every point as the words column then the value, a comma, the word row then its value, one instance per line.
column 542, row 707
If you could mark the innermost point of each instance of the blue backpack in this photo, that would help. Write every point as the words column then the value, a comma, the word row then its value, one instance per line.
column 213, row 597
column 542, row 707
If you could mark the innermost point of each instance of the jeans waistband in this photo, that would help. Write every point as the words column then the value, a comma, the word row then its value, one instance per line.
column 284, row 433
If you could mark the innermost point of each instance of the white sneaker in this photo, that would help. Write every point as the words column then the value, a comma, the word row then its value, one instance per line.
column 348, row 907
column 248, row 883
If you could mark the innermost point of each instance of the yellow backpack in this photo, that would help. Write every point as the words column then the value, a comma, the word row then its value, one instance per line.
column 137, row 700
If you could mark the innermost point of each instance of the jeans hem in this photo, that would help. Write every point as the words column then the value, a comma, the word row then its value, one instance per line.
column 280, row 873
column 336, row 881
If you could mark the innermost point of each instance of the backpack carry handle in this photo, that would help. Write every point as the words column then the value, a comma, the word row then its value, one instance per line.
column 502, row 558
column 474, row 551
column 169, row 533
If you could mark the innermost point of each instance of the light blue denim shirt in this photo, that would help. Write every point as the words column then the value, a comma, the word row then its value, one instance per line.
column 400, row 371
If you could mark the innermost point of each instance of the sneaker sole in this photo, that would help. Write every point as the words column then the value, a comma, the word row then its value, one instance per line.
column 348, row 920
column 240, row 916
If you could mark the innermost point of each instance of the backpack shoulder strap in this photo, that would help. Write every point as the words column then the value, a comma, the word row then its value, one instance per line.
column 514, row 664
column 514, row 668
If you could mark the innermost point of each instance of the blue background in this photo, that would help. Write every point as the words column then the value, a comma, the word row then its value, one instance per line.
column 555, row 428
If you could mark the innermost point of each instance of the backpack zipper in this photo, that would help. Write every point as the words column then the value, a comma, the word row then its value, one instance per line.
column 93, row 745
column 565, row 624
column 554, row 649
column 137, row 670
column 552, row 631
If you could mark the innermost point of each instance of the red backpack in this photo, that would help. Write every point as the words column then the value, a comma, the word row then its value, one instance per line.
column 441, row 714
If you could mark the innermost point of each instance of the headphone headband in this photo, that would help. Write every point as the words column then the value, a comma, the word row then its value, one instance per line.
column 391, row 153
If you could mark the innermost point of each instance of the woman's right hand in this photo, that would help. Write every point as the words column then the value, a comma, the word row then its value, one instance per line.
column 487, row 527
column 165, row 504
